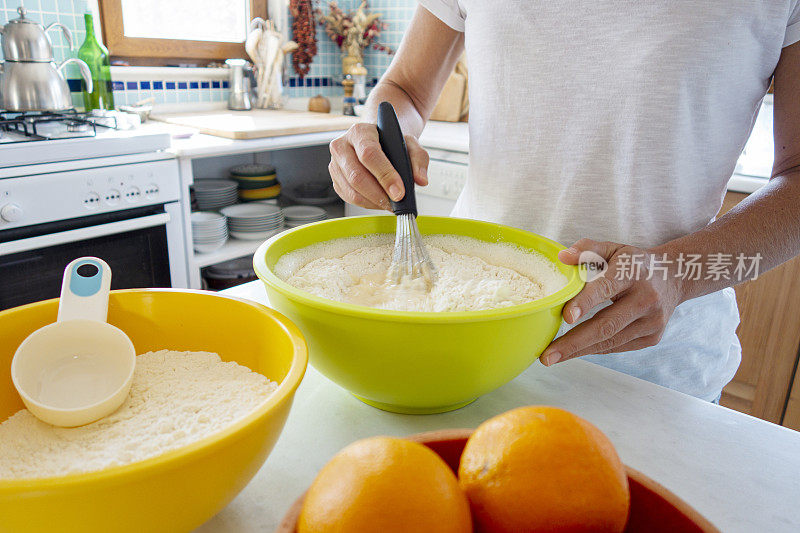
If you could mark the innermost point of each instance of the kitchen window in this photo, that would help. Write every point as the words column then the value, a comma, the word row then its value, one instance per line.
column 155, row 32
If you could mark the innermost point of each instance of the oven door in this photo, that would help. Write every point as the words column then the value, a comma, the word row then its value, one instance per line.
column 132, row 242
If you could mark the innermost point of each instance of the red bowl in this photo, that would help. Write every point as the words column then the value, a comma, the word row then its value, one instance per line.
column 654, row 509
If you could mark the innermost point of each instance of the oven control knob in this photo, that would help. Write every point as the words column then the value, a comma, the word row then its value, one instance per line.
column 11, row 212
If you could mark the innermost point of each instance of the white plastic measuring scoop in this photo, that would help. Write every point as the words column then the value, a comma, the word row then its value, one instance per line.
column 80, row 368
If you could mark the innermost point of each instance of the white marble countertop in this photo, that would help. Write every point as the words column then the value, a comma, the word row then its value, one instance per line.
column 740, row 472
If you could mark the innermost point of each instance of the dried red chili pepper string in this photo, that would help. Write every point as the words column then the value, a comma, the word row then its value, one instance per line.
column 304, row 33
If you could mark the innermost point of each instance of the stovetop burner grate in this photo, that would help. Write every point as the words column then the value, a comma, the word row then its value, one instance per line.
column 29, row 126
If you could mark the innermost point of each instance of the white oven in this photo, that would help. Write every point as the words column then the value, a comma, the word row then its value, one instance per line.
column 123, row 209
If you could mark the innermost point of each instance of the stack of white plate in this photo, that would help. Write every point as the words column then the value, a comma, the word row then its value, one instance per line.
column 215, row 194
column 297, row 215
column 209, row 231
column 253, row 221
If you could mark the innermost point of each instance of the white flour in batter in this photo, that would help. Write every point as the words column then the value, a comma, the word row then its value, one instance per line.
column 176, row 398
column 472, row 274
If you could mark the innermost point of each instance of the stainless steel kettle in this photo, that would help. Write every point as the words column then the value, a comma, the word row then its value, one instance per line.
column 29, row 78
column 38, row 86
column 27, row 40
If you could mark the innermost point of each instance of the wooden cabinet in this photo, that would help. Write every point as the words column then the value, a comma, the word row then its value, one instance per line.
column 770, row 335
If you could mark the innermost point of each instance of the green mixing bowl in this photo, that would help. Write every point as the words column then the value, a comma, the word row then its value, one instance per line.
column 409, row 362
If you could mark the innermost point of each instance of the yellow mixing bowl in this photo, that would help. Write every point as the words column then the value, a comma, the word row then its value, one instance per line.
column 183, row 488
column 417, row 362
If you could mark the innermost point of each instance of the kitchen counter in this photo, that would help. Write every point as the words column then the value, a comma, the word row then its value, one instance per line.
column 448, row 136
column 186, row 143
column 437, row 136
column 742, row 473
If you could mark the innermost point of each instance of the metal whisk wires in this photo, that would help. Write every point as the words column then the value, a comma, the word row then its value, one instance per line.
column 410, row 259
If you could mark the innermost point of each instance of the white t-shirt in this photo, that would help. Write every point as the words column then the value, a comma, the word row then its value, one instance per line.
column 620, row 121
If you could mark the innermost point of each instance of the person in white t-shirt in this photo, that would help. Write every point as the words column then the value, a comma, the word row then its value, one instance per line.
column 612, row 126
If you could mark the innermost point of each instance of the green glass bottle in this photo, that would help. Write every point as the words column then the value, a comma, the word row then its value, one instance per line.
column 96, row 56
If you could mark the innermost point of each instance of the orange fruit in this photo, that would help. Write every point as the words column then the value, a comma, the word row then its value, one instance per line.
column 385, row 485
column 543, row 469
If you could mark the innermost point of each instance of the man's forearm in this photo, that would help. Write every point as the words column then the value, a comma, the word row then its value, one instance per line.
column 410, row 117
column 765, row 226
column 418, row 72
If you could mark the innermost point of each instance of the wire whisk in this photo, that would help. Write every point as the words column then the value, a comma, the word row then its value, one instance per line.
column 410, row 259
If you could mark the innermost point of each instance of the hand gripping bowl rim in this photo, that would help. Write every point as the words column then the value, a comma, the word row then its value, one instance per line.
column 179, row 456
column 572, row 288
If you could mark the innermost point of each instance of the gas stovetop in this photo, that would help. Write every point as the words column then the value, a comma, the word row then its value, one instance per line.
column 32, row 138
column 41, row 126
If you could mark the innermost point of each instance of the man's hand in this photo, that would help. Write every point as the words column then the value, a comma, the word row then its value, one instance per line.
column 362, row 174
column 638, row 313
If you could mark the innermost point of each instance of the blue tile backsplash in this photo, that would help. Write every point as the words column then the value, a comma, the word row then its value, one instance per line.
column 323, row 79
column 167, row 92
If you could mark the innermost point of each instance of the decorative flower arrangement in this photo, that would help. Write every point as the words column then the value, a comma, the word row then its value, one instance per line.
column 353, row 32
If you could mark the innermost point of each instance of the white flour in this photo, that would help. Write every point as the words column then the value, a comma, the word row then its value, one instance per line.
column 176, row 398
column 472, row 274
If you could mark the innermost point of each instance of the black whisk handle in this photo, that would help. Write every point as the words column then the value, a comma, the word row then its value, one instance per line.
column 394, row 146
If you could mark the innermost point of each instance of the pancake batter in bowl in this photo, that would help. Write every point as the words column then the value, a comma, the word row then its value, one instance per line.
column 473, row 275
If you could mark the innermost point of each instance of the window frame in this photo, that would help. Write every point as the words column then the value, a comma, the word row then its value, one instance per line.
column 147, row 51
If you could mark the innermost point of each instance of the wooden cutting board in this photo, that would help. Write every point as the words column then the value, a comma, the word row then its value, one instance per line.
column 258, row 123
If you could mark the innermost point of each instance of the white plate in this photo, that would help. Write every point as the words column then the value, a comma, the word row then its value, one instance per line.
column 216, row 227
column 201, row 200
column 255, row 235
column 257, row 217
column 303, row 221
column 210, row 224
column 209, row 240
column 221, row 192
column 250, row 211
column 214, row 206
column 205, row 185
column 208, row 227
column 209, row 234
column 271, row 222
column 210, row 199
column 225, row 201
column 250, row 230
column 304, row 212
column 244, row 220
column 204, row 216
column 215, row 196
